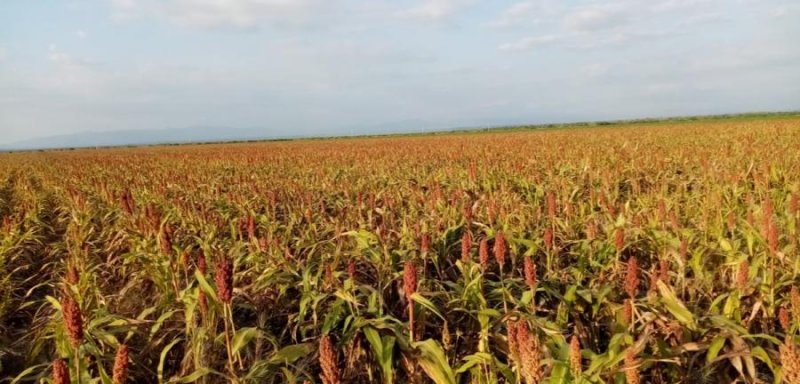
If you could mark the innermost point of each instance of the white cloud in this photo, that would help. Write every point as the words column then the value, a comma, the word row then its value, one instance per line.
column 226, row 13
column 67, row 75
column 678, row 5
column 587, row 40
column 81, row 34
column 594, row 18
column 124, row 4
column 525, row 13
column 435, row 10
column 530, row 43
column 355, row 62
column 595, row 70
column 57, row 56
column 784, row 11
column 621, row 23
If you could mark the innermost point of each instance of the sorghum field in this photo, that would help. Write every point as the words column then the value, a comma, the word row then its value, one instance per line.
column 639, row 253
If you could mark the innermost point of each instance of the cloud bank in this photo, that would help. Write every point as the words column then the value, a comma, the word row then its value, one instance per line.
column 343, row 66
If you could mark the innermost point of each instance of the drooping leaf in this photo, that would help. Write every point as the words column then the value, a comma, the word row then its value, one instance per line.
column 433, row 361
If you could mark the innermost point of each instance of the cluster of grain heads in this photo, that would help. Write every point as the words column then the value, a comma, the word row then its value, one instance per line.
column 772, row 237
column 619, row 239
column 328, row 361
column 491, row 211
column 631, row 287
column 466, row 245
column 551, row 205
column 631, row 368
column 73, row 319
column 530, row 273
column 483, row 254
column 73, row 323
column 742, row 275
column 500, row 249
column 165, row 240
column 794, row 301
column 60, row 372
column 784, row 319
column 72, row 277
column 126, row 201
column 767, row 212
column 790, row 361
column 153, row 217
column 223, row 277
column 590, row 229
column 251, row 227
column 663, row 270
column 351, row 269
column 330, row 276
column 575, row 362
column 530, row 353
column 425, row 244
column 120, row 371
column 511, row 340
column 549, row 241
column 627, row 312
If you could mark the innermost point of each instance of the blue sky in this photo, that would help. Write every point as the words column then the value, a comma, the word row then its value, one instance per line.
column 310, row 67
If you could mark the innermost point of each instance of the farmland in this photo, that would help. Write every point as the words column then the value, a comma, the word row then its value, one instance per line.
column 649, row 252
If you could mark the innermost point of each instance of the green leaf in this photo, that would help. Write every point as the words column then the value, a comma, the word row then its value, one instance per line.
column 570, row 296
column 30, row 370
column 714, row 348
column 290, row 354
column 761, row 354
column 364, row 239
column 560, row 374
column 434, row 363
column 163, row 358
column 160, row 321
column 56, row 304
column 205, row 286
column 193, row 377
column 473, row 360
column 527, row 297
column 675, row 306
column 384, row 350
column 242, row 337
column 374, row 339
column 426, row 303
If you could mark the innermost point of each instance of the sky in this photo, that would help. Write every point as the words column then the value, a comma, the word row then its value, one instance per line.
column 331, row 67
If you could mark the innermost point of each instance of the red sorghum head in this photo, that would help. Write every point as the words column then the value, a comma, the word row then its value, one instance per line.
column 223, row 277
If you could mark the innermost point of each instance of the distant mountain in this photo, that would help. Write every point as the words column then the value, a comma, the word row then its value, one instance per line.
column 207, row 134
column 138, row 137
column 202, row 135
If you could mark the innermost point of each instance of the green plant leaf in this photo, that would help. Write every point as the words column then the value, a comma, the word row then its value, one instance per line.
column 205, row 286
column 163, row 358
column 433, row 361
column 676, row 306
column 291, row 353
column 714, row 348
column 242, row 337
column 426, row 303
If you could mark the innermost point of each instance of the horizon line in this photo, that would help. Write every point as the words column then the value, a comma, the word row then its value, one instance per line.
column 450, row 130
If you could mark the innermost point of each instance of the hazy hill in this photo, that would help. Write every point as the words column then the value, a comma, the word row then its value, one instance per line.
column 201, row 135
